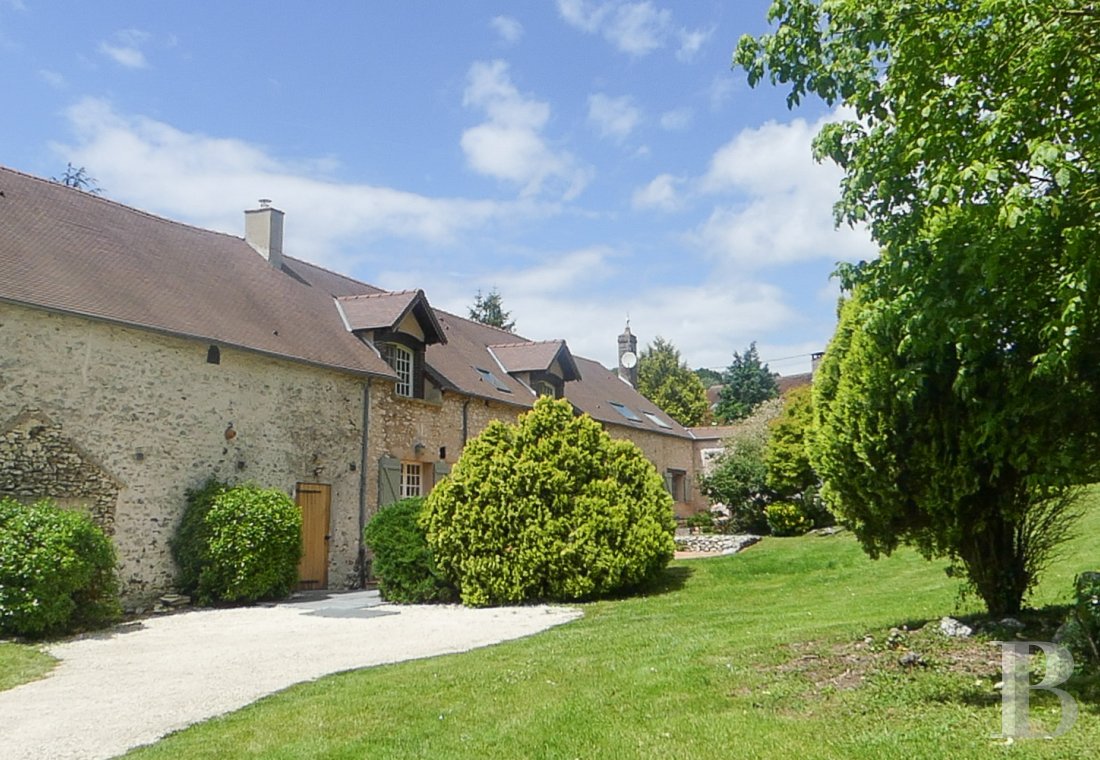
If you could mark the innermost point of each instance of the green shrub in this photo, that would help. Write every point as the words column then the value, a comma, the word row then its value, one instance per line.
column 549, row 509
column 1082, row 630
column 57, row 571
column 402, row 559
column 254, row 546
column 739, row 481
column 702, row 520
column 787, row 519
column 191, row 541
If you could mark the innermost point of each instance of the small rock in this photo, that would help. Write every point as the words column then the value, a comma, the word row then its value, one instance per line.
column 175, row 600
column 1012, row 623
column 911, row 660
column 952, row 628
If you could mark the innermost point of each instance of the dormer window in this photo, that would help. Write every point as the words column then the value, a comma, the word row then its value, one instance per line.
column 401, row 326
column 401, row 359
column 544, row 388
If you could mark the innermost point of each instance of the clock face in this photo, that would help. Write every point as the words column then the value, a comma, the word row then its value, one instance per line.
column 629, row 359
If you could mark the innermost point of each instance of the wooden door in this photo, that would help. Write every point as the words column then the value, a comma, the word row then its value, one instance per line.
column 314, row 500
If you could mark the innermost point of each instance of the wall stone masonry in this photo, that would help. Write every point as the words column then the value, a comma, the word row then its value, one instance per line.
column 153, row 416
column 38, row 462
column 715, row 543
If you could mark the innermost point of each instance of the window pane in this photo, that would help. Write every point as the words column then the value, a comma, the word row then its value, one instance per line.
column 401, row 359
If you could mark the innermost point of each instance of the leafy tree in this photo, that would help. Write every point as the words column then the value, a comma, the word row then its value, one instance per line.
column 666, row 381
column 956, row 413
column 80, row 179
column 709, row 376
column 746, row 384
column 789, row 470
column 550, row 508
column 787, row 459
column 739, row 480
column 488, row 310
column 972, row 142
column 905, row 458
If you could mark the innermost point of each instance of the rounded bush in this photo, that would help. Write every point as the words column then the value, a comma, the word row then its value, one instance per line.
column 549, row 509
column 191, row 541
column 57, row 571
column 787, row 519
column 403, row 561
column 254, row 546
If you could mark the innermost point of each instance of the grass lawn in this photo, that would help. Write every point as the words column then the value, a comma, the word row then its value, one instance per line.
column 757, row 655
column 20, row 663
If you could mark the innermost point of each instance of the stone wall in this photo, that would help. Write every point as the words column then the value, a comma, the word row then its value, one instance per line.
column 398, row 424
column 149, row 413
column 667, row 453
column 37, row 461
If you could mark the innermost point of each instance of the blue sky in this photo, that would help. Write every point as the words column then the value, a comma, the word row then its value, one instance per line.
column 590, row 160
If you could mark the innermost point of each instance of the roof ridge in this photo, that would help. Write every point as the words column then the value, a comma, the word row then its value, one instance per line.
column 119, row 204
column 333, row 272
column 527, row 343
column 383, row 294
column 481, row 324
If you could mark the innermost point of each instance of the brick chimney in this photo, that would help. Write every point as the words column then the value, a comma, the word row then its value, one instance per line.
column 263, row 230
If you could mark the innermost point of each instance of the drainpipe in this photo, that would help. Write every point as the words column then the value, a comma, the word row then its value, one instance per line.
column 363, row 486
column 465, row 422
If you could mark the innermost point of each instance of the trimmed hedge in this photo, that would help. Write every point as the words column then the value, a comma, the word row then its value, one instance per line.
column 402, row 559
column 549, row 509
column 57, row 571
column 238, row 544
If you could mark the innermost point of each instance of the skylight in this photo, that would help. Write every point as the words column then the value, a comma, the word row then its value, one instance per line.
column 657, row 420
column 493, row 380
column 625, row 411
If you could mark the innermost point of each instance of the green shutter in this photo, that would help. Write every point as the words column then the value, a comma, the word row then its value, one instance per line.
column 389, row 480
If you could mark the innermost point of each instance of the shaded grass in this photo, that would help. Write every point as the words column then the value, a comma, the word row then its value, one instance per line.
column 21, row 664
column 699, row 668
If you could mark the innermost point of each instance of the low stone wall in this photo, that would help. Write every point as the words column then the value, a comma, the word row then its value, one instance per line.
column 715, row 543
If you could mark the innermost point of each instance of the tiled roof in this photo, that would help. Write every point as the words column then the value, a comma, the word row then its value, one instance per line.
column 532, row 356
column 67, row 250
column 599, row 387
column 788, row 383
column 376, row 311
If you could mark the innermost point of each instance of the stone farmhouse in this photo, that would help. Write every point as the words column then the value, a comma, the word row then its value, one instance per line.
column 140, row 356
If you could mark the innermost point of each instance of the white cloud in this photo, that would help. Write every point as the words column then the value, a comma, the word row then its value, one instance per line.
column 677, row 118
column 638, row 28
column 53, row 79
column 585, row 16
column 572, row 297
column 633, row 28
column 125, row 49
column 209, row 181
column 691, row 42
column 613, row 117
column 662, row 193
column 721, row 90
column 509, row 29
column 509, row 145
column 783, row 207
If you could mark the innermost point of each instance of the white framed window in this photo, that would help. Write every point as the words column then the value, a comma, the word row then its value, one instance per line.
column 401, row 359
column 412, row 479
column 544, row 388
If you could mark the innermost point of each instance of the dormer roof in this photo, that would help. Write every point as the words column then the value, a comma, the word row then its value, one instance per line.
column 536, row 356
column 386, row 311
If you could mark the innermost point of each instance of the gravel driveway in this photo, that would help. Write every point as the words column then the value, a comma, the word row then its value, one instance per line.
column 133, row 685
